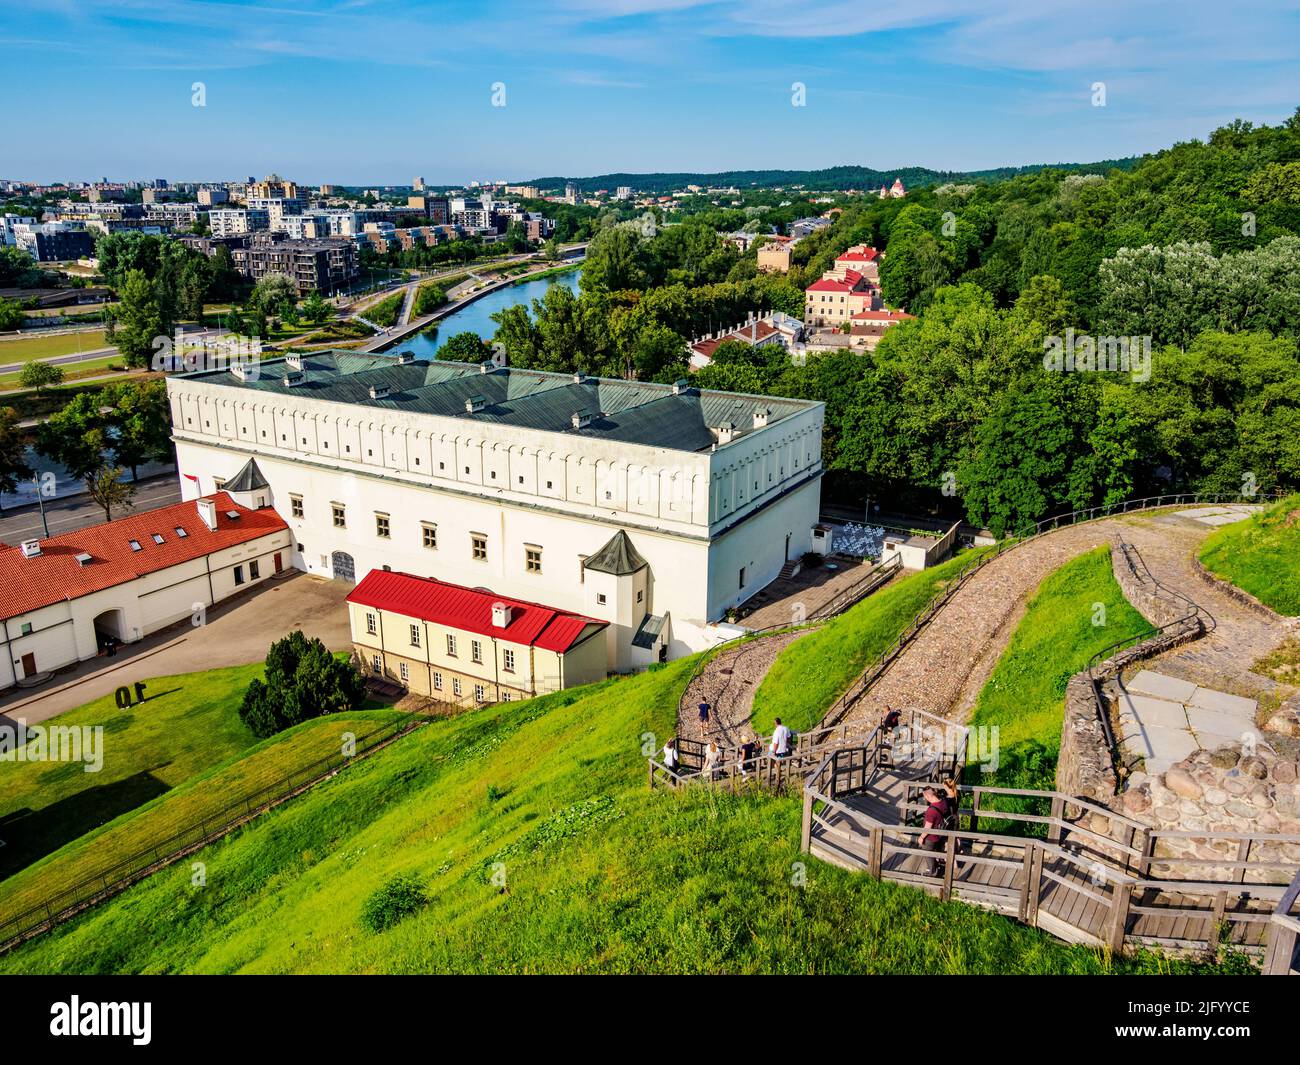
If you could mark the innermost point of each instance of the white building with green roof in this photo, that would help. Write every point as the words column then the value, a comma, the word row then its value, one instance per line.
column 655, row 507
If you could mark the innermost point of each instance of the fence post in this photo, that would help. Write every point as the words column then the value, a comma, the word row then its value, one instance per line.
column 1119, row 902
column 949, row 865
column 805, row 833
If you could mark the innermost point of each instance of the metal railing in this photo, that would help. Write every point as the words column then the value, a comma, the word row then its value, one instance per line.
column 110, row 880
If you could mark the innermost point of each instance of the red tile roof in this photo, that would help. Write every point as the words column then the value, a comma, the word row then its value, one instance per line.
column 882, row 316
column 857, row 256
column 55, row 575
column 830, row 284
column 470, row 610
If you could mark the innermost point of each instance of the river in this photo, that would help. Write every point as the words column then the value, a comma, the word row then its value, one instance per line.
column 477, row 316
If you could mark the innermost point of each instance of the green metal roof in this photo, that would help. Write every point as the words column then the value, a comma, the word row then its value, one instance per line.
column 618, row 557
column 636, row 412
column 248, row 479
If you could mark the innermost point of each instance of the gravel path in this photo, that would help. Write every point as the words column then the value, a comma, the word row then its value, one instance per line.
column 727, row 683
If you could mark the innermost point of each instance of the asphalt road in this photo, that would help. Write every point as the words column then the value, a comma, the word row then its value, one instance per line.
column 76, row 512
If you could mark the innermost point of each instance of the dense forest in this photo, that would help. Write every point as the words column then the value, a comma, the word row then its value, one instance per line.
column 1193, row 254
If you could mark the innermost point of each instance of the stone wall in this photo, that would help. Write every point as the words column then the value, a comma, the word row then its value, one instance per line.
column 1229, row 790
column 1085, row 766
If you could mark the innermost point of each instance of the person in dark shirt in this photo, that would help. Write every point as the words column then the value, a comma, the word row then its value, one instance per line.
column 748, row 752
column 936, row 812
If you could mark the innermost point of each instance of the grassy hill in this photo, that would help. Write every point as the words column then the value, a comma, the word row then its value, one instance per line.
column 180, row 756
column 1261, row 555
column 529, row 829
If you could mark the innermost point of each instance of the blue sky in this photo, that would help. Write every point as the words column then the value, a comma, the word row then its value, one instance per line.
column 354, row 92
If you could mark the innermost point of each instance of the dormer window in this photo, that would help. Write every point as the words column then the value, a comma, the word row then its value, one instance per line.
column 135, row 545
column 157, row 538
column 180, row 531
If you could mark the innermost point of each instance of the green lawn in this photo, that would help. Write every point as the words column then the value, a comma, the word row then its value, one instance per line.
column 1261, row 555
column 530, row 831
column 181, row 754
column 1024, row 698
column 71, row 372
column 814, row 670
column 386, row 311
column 24, row 348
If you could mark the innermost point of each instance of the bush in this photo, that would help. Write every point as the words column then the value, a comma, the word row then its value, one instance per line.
column 395, row 900
column 303, row 680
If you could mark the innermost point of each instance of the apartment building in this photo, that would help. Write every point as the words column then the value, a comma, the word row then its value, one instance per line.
column 315, row 265
column 237, row 221
column 653, row 508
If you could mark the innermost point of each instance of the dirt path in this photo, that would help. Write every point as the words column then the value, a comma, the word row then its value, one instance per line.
column 944, row 669
column 727, row 683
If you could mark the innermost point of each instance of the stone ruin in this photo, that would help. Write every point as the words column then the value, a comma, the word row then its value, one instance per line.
column 1227, row 790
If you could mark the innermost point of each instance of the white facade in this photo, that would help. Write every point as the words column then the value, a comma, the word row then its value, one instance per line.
column 512, row 508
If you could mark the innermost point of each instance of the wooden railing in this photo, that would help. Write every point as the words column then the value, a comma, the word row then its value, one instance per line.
column 1079, row 883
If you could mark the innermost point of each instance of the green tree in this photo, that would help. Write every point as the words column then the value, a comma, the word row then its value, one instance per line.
column 316, row 309
column 76, row 435
column 13, row 451
column 107, row 489
column 465, row 347
column 303, row 680
column 274, row 289
column 140, row 423
column 615, row 261
column 137, row 321
column 38, row 376
column 11, row 314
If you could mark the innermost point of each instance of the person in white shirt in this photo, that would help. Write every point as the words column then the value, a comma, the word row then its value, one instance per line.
column 712, row 759
column 780, row 741
column 671, row 758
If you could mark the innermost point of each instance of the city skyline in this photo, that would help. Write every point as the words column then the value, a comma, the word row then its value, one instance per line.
column 356, row 93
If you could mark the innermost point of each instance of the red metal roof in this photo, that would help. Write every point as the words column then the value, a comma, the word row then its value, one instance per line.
column 55, row 575
column 470, row 610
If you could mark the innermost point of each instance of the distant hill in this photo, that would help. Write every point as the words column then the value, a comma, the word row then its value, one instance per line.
column 835, row 177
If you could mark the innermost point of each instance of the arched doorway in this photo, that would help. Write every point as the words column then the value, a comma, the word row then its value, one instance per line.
column 110, row 630
column 343, row 567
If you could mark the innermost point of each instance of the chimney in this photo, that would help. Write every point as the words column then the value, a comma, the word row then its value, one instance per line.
column 405, row 357
column 500, row 615
column 293, row 361
column 475, row 404
column 681, row 387
column 487, row 366
column 207, row 513
column 760, row 417
column 31, row 548
column 579, row 377
column 293, row 379
column 726, row 432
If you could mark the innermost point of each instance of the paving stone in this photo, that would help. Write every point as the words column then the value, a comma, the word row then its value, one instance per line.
column 1216, row 700
column 1149, row 711
column 1148, row 682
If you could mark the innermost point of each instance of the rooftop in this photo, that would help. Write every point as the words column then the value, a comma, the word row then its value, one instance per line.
column 116, row 552
column 471, row 609
column 635, row 412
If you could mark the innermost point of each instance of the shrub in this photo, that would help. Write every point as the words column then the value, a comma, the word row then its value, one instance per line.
column 303, row 680
column 393, row 901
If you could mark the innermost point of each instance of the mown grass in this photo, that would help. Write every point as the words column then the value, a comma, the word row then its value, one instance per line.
column 385, row 312
column 1261, row 555
column 181, row 756
column 22, row 349
column 814, row 670
column 1078, row 610
column 530, row 831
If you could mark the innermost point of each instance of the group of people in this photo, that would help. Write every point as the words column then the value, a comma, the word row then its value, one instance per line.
column 781, row 745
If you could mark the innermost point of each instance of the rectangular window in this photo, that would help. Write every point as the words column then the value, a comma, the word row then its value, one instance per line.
column 533, row 559
column 600, row 598
column 742, row 576
column 371, row 627
column 437, row 681
column 451, row 645
column 340, row 516
column 239, row 574
column 480, row 693
column 506, row 696
column 381, row 526
column 415, row 635
column 476, row 650
column 429, row 535
column 508, row 660
column 295, row 506
column 254, row 570
column 478, row 546
column 405, row 672
column 378, row 663
column 455, row 686
column 27, row 628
